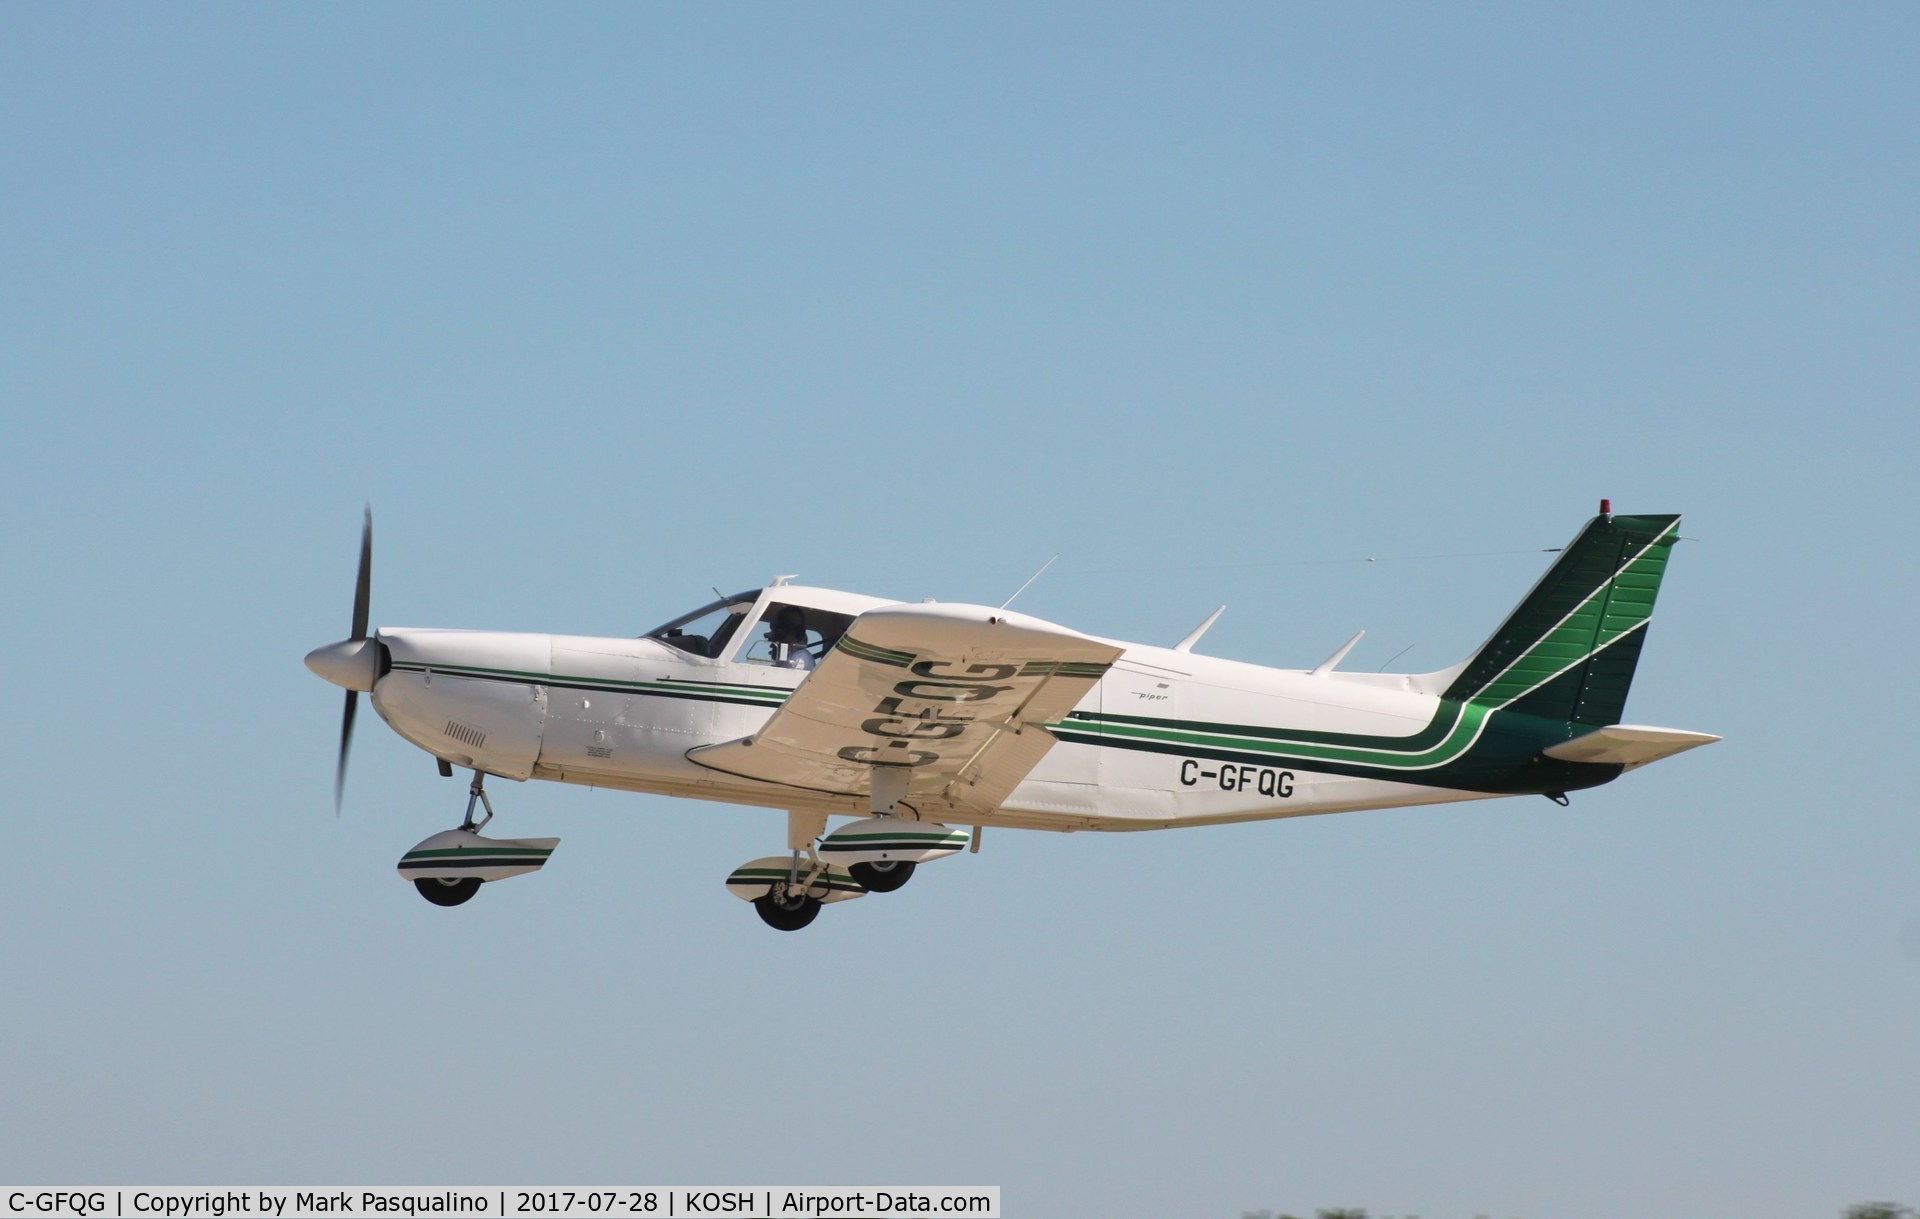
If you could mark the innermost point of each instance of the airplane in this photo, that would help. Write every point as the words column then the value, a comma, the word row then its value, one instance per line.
column 928, row 722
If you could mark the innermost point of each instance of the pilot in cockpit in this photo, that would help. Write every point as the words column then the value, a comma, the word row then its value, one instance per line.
column 787, row 639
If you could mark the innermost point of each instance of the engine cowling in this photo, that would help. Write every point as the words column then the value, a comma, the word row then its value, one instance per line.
column 475, row 698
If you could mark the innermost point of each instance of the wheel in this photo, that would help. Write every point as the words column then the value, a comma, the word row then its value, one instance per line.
column 882, row 877
column 447, row 892
column 785, row 913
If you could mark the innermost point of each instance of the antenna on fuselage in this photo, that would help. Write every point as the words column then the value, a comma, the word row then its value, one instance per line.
column 1193, row 636
column 1396, row 656
column 1030, row 579
column 1326, row 666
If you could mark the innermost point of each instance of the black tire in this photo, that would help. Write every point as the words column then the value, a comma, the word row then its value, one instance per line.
column 786, row 913
column 448, row 892
column 882, row 877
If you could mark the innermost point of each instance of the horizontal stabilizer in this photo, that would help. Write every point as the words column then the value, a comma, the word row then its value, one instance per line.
column 1628, row 745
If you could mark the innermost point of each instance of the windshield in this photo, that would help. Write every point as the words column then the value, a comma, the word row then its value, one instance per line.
column 705, row 631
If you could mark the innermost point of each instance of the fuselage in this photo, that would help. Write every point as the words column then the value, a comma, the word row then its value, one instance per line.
column 1166, row 738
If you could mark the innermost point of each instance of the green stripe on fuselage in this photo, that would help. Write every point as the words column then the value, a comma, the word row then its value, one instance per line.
column 663, row 687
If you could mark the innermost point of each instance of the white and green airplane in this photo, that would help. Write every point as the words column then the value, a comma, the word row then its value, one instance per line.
column 925, row 722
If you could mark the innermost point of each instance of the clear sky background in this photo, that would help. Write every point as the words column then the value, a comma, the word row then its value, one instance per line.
column 601, row 306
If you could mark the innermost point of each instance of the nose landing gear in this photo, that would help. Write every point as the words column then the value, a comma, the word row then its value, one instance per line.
column 477, row 793
column 449, row 868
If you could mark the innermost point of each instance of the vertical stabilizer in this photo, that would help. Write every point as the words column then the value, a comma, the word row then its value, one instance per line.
column 1568, row 650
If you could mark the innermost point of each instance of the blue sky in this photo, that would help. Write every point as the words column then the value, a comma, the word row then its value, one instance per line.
column 600, row 306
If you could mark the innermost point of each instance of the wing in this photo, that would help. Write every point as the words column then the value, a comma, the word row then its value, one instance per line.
column 957, row 696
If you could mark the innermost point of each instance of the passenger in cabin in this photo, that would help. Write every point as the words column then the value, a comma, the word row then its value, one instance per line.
column 788, row 638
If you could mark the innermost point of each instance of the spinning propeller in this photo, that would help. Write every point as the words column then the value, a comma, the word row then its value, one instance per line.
column 355, row 662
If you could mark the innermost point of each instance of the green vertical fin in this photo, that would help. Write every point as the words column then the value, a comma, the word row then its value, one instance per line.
column 1588, row 615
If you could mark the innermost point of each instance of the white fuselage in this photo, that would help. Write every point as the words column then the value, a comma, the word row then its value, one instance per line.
column 623, row 713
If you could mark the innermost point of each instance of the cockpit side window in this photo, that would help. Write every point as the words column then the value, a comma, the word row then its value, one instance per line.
column 793, row 636
column 706, row 631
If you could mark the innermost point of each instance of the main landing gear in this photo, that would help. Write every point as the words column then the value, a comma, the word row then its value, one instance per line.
column 875, row 855
column 785, row 909
column 882, row 875
column 788, row 890
column 449, row 868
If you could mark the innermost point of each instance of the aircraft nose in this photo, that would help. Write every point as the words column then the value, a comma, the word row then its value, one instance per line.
column 352, row 664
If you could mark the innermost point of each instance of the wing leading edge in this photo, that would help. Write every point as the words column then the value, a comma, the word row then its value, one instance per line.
column 956, row 696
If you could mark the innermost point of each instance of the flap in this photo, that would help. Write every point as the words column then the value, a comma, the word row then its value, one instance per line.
column 955, row 695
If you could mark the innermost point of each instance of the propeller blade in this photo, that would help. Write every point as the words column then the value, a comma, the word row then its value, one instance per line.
column 363, row 586
column 346, row 739
column 362, row 594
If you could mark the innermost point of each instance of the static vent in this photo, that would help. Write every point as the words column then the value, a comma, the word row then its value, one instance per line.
column 466, row 734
